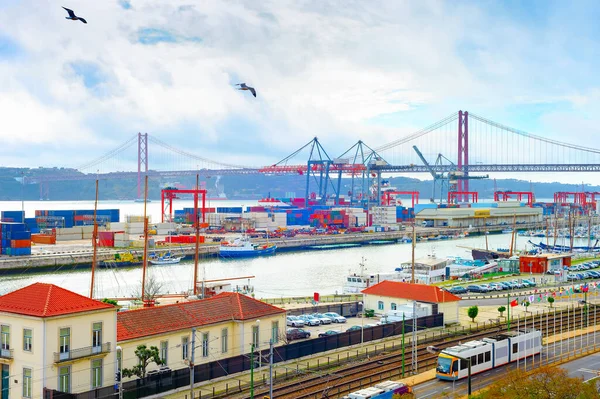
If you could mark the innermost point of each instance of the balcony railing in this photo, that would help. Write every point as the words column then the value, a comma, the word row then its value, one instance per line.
column 81, row 352
column 6, row 353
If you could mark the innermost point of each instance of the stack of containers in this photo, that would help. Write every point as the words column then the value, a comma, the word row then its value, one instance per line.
column 384, row 215
column 297, row 217
column 404, row 214
column 16, row 241
column 12, row 216
column 231, row 209
column 106, row 239
column 31, row 225
column 191, row 239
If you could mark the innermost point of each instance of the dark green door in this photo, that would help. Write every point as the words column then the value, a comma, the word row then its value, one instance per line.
column 4, row 383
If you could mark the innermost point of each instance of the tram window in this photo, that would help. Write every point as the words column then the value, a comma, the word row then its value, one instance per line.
column 455, row 365
column 515, row 347
column 463, row 365
column 480, row 358
column 473, row 361
column 488, row 356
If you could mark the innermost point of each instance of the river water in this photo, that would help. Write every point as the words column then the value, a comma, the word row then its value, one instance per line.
column 285, row 274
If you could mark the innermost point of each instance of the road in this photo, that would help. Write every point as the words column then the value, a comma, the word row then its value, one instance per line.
column 583, row 367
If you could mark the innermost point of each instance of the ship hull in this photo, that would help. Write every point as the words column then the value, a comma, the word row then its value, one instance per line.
column 244, row 253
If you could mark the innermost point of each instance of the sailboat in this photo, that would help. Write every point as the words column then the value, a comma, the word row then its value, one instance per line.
column 165, row 258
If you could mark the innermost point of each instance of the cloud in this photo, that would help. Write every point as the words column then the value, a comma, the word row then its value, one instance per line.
column 373, row 71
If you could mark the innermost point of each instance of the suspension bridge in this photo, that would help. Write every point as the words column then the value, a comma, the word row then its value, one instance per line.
column 468, row 142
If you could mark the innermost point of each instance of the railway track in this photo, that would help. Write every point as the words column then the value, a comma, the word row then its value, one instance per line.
column 388, row 366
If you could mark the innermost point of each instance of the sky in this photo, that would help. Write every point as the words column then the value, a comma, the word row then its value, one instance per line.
column 341, row 71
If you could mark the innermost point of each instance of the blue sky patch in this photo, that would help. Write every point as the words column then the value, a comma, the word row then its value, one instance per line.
column 8, row 47
column 126, row 4
column 151, row 36
column 90, row 73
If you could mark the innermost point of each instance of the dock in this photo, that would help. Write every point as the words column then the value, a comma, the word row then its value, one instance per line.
column 55, row 257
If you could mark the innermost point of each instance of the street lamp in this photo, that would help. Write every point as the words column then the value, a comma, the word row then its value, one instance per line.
column 434, row 350
column 253, row 348
column 118, row 374
column 362, row 320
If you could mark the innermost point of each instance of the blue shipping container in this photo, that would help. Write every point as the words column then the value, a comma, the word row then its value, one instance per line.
column 20, row 235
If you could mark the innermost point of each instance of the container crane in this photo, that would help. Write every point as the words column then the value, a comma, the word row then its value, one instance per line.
column 450, row 179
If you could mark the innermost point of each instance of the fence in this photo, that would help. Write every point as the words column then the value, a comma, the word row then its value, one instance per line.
column 167, row 381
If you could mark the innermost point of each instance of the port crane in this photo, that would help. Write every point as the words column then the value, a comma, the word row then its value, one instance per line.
column 449, row 179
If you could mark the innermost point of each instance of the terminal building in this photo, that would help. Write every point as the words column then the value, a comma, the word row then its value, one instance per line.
column 477, row 215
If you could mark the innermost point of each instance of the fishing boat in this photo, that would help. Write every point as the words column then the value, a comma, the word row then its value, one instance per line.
column 165, row 259
column 122, row 259
column 242, row 247
column 566, row 248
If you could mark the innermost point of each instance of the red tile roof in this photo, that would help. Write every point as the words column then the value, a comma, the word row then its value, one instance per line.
column 161, row 319
column 47, row 300
column 418, row 292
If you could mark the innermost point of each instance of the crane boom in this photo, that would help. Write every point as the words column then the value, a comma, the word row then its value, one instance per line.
column 435, row 175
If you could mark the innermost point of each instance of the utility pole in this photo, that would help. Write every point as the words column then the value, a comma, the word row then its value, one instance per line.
column 252, row 371
column 271, row 368
column 414, row 338
column 403, row 315
column 192, row 363
column 414, row 244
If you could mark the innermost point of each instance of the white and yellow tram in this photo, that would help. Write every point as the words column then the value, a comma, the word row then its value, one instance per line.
column 488, row 353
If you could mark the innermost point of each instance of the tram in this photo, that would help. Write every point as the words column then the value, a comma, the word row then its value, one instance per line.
column 488, row 353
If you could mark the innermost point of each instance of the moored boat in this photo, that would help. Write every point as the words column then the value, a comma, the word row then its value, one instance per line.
column 242, row 247
column 165, row 259
column 122, row 259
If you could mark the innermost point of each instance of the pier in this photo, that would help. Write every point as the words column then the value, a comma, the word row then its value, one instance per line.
column 82, row 258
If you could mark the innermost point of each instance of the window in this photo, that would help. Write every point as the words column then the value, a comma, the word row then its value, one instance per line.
column 65, row 343
column 394, row 306
column 255, row 336
column 184, row 347
column 27, row 339
column 5, row 340
column 473, row 360
column 515, row 347
column 26, row 383
column 480, row 358
column 64, row 379
column 455, row 366
column 380, row 305
column 164, row 348
column 463, row 365
column 97, row 335
column 275, row 331
column 488, row 356
column 96, row 373
column 224, row 333
column 204, row 344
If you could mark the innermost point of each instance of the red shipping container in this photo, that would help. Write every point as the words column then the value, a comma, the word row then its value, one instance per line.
column 20, row 243
column 105, row 243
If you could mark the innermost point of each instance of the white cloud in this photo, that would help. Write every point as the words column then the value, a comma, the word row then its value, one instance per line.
column 319, row 69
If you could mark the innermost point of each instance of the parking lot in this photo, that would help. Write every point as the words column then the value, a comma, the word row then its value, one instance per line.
column 339, row 327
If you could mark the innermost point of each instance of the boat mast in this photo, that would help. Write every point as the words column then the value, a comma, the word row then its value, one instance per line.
column 512, row 236
column 197, row 240
column 485, row 233
column 94, row 243
column 589, row 229
column 145, row 262
column 571, row 228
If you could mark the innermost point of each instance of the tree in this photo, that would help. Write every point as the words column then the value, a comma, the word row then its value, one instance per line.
column 153, row 289
column 501, row 310
column 473, row 312
column 110, row 301
column 546, row 382
column 550, row 300
column 145, row 357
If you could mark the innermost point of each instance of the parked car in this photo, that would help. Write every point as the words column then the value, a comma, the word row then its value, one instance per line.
column 354, row 328
column 322, row 318
column 477, row 288
column 310, row 320
column 594, row 274
column 328, row 333
column 336, row 318
column 294, row 321
column 296, row 333
column 457, row 290
column 496, row 286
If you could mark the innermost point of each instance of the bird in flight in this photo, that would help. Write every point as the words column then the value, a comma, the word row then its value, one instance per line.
column 74, row 17
column 244, row 87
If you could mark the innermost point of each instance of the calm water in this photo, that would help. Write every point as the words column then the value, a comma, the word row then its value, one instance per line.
column 285, row 274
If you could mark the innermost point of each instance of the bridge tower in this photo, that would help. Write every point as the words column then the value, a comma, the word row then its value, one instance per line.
column 463, row 153
column 142, row 160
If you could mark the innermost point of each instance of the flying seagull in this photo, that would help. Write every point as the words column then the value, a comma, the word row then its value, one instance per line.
column 74, row 17
column 244, row 87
